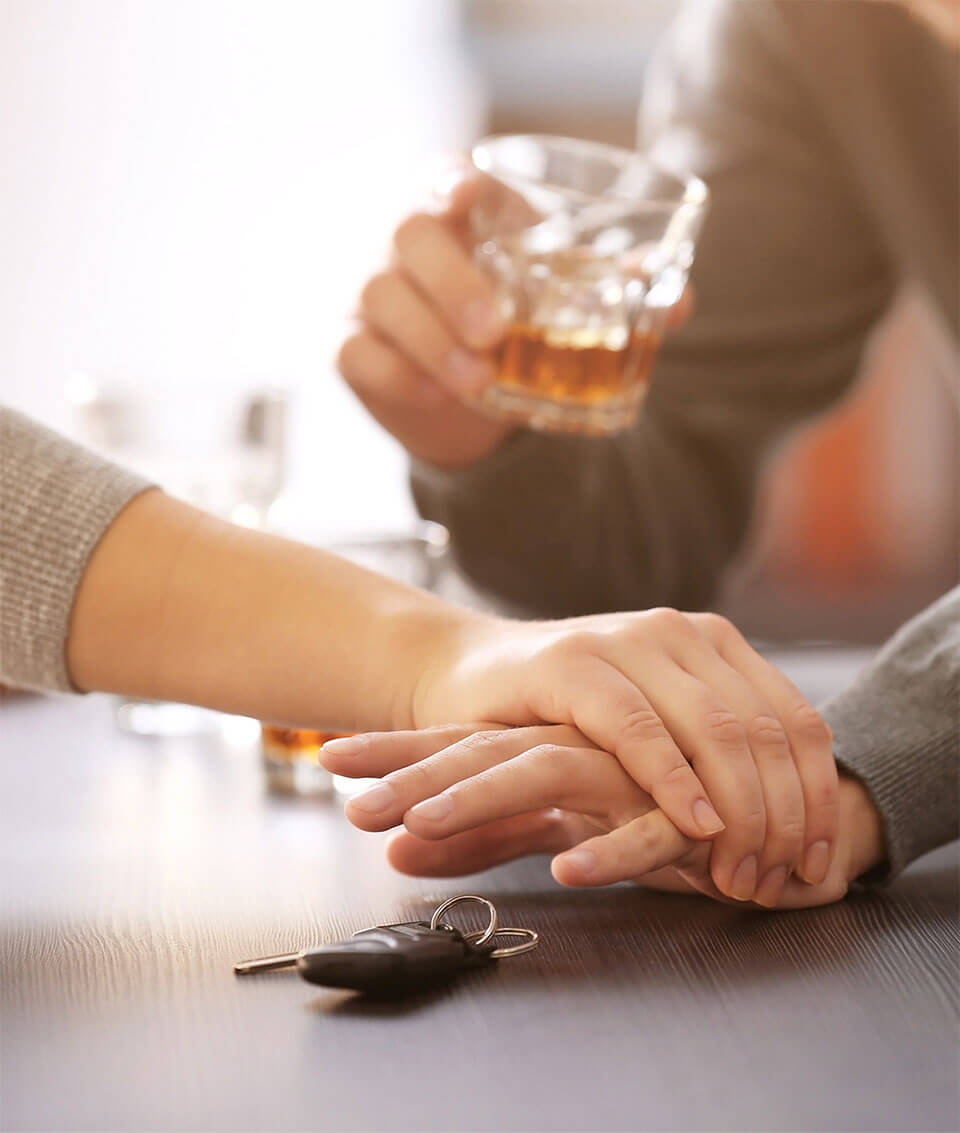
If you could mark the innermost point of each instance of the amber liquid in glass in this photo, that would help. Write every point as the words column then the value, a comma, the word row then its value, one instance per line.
column 579, row 366
column 290, row 757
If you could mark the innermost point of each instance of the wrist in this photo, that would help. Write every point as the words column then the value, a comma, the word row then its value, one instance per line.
column 860, row 817
column 448, row 646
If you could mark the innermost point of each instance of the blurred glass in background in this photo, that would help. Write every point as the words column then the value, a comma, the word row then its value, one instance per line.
column 194, row 193
column 228, row 457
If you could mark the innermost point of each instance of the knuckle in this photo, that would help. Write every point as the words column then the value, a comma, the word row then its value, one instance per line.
column 671, row 622
column 768, row 732
column 483, row 741
column 377, row 290
column 410, row 232
column 481, row 783
column 746, row 831
column 724, row 729
column 754, row 824
column 552, row 758
column 806, row 722
column 715, row 626
column 576, row 643
column 823, row 798
column 365, row 364
column 396, row 376
column 678, row 775
column 411, row 782
column 787, row 835
column 643, row 725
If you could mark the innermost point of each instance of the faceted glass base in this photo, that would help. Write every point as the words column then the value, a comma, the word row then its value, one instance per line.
column 599, row 418
column 297, row 777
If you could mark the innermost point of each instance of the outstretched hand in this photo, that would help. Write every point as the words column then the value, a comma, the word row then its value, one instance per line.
column 470, row 799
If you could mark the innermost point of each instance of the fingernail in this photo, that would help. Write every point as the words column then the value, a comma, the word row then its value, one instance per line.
column 744, row 882
column 706, row 817
column 347, row 745
column 434, row 809
column 769, row 890
column 481, row 324
column 816, row 862
column 468, row 372
column 583, row 861
column 376, row 800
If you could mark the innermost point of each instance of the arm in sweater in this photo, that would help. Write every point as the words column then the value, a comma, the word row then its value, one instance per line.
column 897, row 729
column 789, row 280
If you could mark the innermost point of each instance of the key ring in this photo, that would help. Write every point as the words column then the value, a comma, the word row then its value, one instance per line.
column 531, row 940
column 481, row 937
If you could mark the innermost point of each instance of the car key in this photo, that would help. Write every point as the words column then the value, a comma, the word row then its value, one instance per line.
column 395, row 959
column 399, row 959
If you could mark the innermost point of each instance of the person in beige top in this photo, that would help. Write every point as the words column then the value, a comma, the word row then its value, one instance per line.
column 828, row 134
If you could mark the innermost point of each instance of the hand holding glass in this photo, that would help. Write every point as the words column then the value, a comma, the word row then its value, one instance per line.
column 588, row 250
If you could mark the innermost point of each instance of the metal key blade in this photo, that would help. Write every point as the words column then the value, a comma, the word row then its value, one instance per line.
column 267, row 964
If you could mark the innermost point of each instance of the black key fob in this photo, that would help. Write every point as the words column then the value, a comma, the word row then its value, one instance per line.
column 396, row 959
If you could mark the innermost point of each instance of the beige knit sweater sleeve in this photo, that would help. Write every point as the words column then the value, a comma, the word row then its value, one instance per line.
column 56, row 501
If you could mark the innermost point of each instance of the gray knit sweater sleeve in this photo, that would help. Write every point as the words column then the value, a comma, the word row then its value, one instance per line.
column 56, row 501
column 897, row 728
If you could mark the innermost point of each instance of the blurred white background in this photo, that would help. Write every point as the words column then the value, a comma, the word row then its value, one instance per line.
column 192, row 192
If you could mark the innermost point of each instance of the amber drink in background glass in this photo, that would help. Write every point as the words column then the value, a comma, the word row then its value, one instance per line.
column 290, row 760
column 588, row 247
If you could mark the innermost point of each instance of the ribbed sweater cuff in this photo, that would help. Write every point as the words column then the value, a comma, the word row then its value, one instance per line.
column 897, row 729
column 907, row 785
column 57, row 501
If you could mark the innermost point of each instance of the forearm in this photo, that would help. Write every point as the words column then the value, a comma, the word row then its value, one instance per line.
column 177, row 605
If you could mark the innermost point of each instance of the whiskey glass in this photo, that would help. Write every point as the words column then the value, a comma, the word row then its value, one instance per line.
column 588, row 248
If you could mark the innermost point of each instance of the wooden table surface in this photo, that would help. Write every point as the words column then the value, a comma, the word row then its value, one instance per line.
column 135, row 872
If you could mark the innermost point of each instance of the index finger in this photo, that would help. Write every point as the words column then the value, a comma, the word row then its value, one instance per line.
column 426, row 766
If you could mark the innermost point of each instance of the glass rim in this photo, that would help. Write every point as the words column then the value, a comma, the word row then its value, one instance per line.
column 691, row 190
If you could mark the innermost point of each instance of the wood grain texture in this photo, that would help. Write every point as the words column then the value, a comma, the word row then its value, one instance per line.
column 135, row 872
